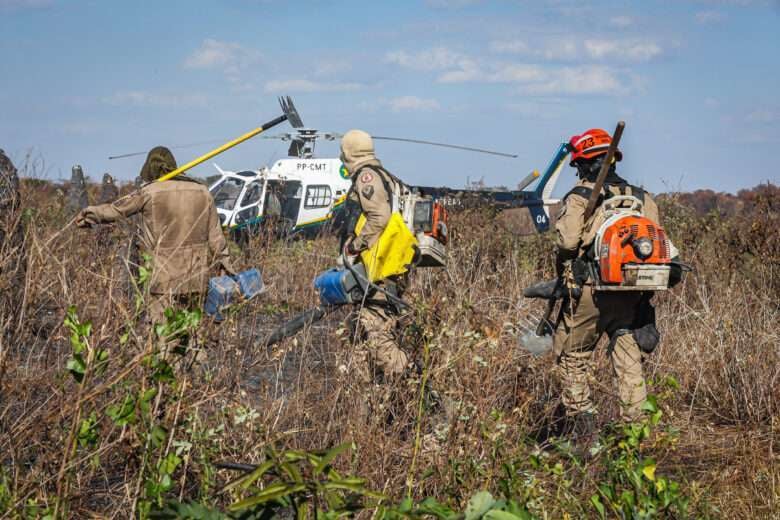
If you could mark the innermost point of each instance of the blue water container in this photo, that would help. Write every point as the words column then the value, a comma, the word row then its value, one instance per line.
column 223, row 290
column 251, row 283
column 331, row 287
column 226, row 290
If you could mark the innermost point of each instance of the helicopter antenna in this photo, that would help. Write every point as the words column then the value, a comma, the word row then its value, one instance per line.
column 445, row 145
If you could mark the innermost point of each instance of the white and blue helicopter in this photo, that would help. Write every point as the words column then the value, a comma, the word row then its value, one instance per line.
column 303, row 193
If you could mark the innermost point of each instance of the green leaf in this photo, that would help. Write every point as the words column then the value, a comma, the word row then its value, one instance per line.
column 648, row 469
column 405, row 506
column 292, row 472
column 77, row 367
column 122, row 414
column 596, row 501
column 249, row 478
column 354, row 485
column 272, row 492
column 169, row 464
column 332, row 454
column 650, row 405
column 479, row 504
column 158, row 436
column 497, row 514
column 87, row 435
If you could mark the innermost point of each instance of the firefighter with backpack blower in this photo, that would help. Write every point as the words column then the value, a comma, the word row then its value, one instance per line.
column 375, row 192
column 612, row 255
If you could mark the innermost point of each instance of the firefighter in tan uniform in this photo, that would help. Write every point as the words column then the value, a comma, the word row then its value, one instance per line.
column 372, row 190
column 179, row 229
column 586, row 318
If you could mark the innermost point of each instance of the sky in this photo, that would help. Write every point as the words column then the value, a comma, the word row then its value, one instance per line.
column 696, row 81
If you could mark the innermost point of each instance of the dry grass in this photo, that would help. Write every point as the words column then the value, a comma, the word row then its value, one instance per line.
column 721, row 343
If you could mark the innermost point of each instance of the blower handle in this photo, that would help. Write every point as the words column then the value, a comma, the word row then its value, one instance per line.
column 544, row 325
column 594, row 196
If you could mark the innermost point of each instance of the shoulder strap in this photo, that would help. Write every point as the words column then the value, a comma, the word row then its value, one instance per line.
column 383, row 176
column 639, row 193
column 582, row 191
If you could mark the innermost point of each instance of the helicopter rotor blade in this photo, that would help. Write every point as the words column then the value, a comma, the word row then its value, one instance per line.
column 177, row 147
column 283, row 137
column 290, row 111
column 445, row 145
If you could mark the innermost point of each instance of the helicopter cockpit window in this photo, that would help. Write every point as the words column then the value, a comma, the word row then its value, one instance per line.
column 246, row 215
column 253, row 193
column 317, row 196
column 226, row 193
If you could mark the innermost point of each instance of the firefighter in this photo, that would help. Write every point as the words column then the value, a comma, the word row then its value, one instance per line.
column 588, row 314
column 179, row 229
column 13, row 254
column 372, row 190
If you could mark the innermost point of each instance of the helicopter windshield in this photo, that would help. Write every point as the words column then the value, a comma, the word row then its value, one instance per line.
column 226, row 193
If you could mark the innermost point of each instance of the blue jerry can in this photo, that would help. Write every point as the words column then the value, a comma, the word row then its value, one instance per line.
column 226, row 290
column 251, row 283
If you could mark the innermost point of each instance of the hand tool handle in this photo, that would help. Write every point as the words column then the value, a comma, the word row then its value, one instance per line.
column 594, row 196
column 219, row 150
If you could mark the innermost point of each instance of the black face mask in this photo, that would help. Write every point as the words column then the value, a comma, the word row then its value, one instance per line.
column 588, row 169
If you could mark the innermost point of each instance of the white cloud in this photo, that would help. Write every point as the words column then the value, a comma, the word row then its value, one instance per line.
column 621, row 22
column 413, row 104
column 517, row 73
column 624, row 50
column 437, row 58
column 709, row 17
column 585, row 80
column 763, row 116
column 139, row 98
column 229, row 57
column 305, row 85
column 533, row 78
column 711, row 102
column 332, row 67
column 571, row 49
column 510, row 47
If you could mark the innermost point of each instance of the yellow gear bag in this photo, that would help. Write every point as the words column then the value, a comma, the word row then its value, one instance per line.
column 392, row 253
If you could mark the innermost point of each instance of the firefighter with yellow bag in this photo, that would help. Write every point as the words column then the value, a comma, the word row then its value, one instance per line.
column 383, row 243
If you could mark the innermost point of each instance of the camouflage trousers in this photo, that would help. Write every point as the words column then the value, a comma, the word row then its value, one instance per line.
column 379, row 350
column 576, row 339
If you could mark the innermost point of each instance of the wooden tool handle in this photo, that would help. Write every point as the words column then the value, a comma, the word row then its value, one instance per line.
column 594, row 196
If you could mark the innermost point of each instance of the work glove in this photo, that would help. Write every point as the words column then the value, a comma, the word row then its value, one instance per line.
column 349, row 248
column 85, row 219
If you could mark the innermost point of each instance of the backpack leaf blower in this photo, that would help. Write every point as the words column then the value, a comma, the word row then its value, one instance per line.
column 339, row 286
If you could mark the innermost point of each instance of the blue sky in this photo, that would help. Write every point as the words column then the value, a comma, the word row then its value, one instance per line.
column 696, row 81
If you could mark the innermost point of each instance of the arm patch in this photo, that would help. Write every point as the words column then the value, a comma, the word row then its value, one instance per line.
column 368, row 192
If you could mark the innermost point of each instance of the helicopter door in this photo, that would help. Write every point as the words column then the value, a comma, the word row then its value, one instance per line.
column 290, row 194
column 316, row 205
column 249, row 209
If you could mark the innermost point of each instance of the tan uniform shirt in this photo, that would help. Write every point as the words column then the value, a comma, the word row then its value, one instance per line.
column 574, row 234
column 370, row 193
column 179, row 227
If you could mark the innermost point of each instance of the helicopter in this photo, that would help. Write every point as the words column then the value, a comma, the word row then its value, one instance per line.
column 304, row 193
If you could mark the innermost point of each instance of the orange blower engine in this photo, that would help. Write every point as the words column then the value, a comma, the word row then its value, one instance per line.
column 632, row 252
column 429, row 224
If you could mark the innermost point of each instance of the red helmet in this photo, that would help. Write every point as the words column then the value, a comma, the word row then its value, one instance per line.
column 590, row 144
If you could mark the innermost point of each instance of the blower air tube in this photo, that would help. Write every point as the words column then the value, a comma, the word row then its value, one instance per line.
column 291, row 327
column 306, row 318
